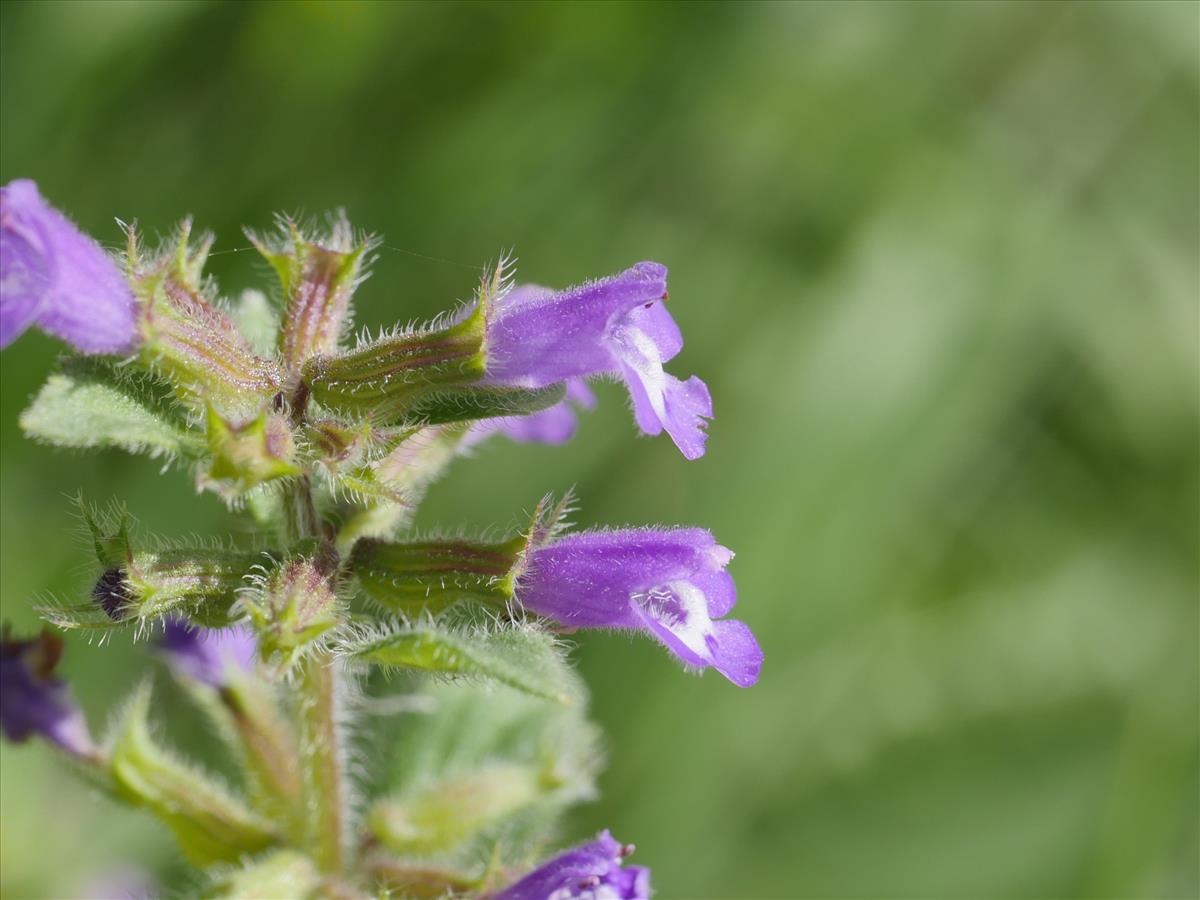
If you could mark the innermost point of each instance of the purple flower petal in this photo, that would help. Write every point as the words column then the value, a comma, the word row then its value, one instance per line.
column 207, row 655
column 34, row 702
column 616, row 326
column 539, row 338
column 589, row 872
column 555, row 425
column 670, row 584
column 55, row 276
column 24, row 277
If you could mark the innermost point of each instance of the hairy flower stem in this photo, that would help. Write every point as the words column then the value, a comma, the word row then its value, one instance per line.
column 269, row 753
column 324, row 762
column 323, row 756
column 302, row 520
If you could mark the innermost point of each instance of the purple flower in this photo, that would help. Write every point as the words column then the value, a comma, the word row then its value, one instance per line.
column 207, row 654
column 590, row 872
column 616, row 326
column 671, row 584
column 56, row 277
column 34, row 702
column 555, row 425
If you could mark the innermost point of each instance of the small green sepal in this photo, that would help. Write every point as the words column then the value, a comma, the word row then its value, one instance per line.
column 247, row 455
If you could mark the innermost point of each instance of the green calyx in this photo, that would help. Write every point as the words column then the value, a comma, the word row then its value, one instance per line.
column 429, row 576
column 190, row 342
column 387, row 379
column 318, row 277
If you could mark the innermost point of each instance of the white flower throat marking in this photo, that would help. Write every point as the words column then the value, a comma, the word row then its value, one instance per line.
column 681, row 608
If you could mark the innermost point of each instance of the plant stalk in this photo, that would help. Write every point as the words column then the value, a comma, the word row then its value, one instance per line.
column 323, row 754
column 324, row 761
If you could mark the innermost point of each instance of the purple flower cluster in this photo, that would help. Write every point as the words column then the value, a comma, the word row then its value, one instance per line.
column 59, row 279
column 670, row 584
column 590, row 872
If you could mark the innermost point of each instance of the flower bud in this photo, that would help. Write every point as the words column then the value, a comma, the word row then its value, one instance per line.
column 148, row 584
column 295, row 606
column 386, row 379
column 54, row 276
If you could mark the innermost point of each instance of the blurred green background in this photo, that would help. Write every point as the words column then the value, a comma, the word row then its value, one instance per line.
column 938, row 265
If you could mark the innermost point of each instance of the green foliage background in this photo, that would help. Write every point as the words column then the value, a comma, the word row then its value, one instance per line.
column 937, row 263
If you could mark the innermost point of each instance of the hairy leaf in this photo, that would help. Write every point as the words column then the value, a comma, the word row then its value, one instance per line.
column 441, row 792
column 210, row 823
column 522, row 658
column 93, row 404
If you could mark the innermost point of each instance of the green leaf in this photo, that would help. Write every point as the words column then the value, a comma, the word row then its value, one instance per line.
column 522, row 658
column 210, row 823
column 444, row 814
column 91, row 404
column 475, row 731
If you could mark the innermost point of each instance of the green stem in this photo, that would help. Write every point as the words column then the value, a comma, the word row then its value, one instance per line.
column 300, row 511
column 269, row 752
column 323, row 757
column 324, row 762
